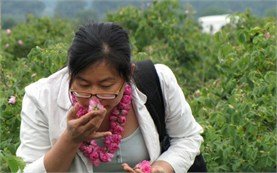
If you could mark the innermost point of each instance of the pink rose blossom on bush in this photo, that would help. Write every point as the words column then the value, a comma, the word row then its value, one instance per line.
column 7, row 45
column 20, row 42
column 267, row 35
column 8, row 31
column 12, row 100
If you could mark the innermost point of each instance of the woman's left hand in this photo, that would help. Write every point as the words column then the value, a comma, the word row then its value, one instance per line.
column 154, row 169
column 127, row 168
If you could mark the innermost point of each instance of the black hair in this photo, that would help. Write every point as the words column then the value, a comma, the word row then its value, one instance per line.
column 96, row 42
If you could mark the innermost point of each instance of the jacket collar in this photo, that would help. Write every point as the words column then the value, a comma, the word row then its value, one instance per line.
column 137, row 95
column 63, row 99
column 146, row 123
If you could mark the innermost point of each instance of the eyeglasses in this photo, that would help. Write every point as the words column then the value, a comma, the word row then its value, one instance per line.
column 105, row 96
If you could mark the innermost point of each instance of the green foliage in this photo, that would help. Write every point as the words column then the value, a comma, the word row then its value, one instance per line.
column 240, row 105
column 40, row 62
column 164, row 31
column 18, row 70
column 229, row 78
column 12, row 162
column 35, row 32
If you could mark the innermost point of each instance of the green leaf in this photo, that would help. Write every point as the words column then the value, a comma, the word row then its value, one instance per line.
column 14, row 163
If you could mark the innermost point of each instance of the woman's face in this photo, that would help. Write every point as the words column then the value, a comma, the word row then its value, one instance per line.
column 99, row 78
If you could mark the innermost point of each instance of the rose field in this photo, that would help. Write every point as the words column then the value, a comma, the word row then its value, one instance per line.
column 229, row 78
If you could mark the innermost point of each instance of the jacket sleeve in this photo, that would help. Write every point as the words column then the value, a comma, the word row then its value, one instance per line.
column 34, row 135
column 180, row 124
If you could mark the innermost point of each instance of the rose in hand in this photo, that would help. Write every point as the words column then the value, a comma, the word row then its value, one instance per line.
column 83, row 122
column 142, row 167
column 94, row 105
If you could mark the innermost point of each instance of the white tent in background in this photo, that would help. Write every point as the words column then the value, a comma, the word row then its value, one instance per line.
column 212, row 24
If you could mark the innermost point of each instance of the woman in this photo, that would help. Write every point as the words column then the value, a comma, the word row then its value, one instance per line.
column 68, row 119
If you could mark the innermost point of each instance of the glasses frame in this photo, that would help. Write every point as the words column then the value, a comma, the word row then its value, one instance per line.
column 74, row 92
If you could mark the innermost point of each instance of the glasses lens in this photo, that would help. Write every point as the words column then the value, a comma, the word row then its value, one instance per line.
column 81, row 94
column 106, row 96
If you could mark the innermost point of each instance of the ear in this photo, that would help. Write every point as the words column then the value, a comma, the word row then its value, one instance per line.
column 133, row 67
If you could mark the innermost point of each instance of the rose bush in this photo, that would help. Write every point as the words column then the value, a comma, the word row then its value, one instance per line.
column 229, row 78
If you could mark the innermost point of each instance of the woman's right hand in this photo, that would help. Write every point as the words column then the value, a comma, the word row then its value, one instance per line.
column 85, row 127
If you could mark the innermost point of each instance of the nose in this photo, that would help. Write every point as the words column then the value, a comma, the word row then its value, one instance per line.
column 94, row 96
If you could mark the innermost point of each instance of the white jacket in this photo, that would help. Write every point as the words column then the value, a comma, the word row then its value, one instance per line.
column 45, row 107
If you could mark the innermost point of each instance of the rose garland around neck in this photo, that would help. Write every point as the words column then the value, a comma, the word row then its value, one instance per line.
column 91, row 149
column 97, row 154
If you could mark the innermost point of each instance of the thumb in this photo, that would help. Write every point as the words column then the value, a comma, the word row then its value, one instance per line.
column 72, row 114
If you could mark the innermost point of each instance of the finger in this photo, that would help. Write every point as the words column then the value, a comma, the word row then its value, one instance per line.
column 86, row 118
column 72, row 113
column 137, row 170
column 95, row 121
column 97, row 135
column 127, row 168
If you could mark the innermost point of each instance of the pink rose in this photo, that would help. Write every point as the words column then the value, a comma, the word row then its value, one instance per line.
column 12, row 100
column 126, row 99
column 144, row 166
column 122, row 119
column 115, row 138
column 118, row 129
column 123, row 106
column 113, row 125
column 128, row 90
column 94, row 104
column 7, row 45
column 113, row 147
column 105, row 157
column 116, row 112
column 89, row 149
column 8, row 31
column 124, row 112
column 267, row 35
column 113, row 118
column 73, row 98
column 94, row 145
column 20, row 42
column 94, row 155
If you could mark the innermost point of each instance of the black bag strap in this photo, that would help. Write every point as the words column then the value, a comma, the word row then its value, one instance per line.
column 147, row 81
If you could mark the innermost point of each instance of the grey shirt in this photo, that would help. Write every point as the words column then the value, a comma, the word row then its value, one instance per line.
column 132, row 151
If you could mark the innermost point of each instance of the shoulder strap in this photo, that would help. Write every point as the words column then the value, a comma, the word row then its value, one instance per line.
column 147, row 81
